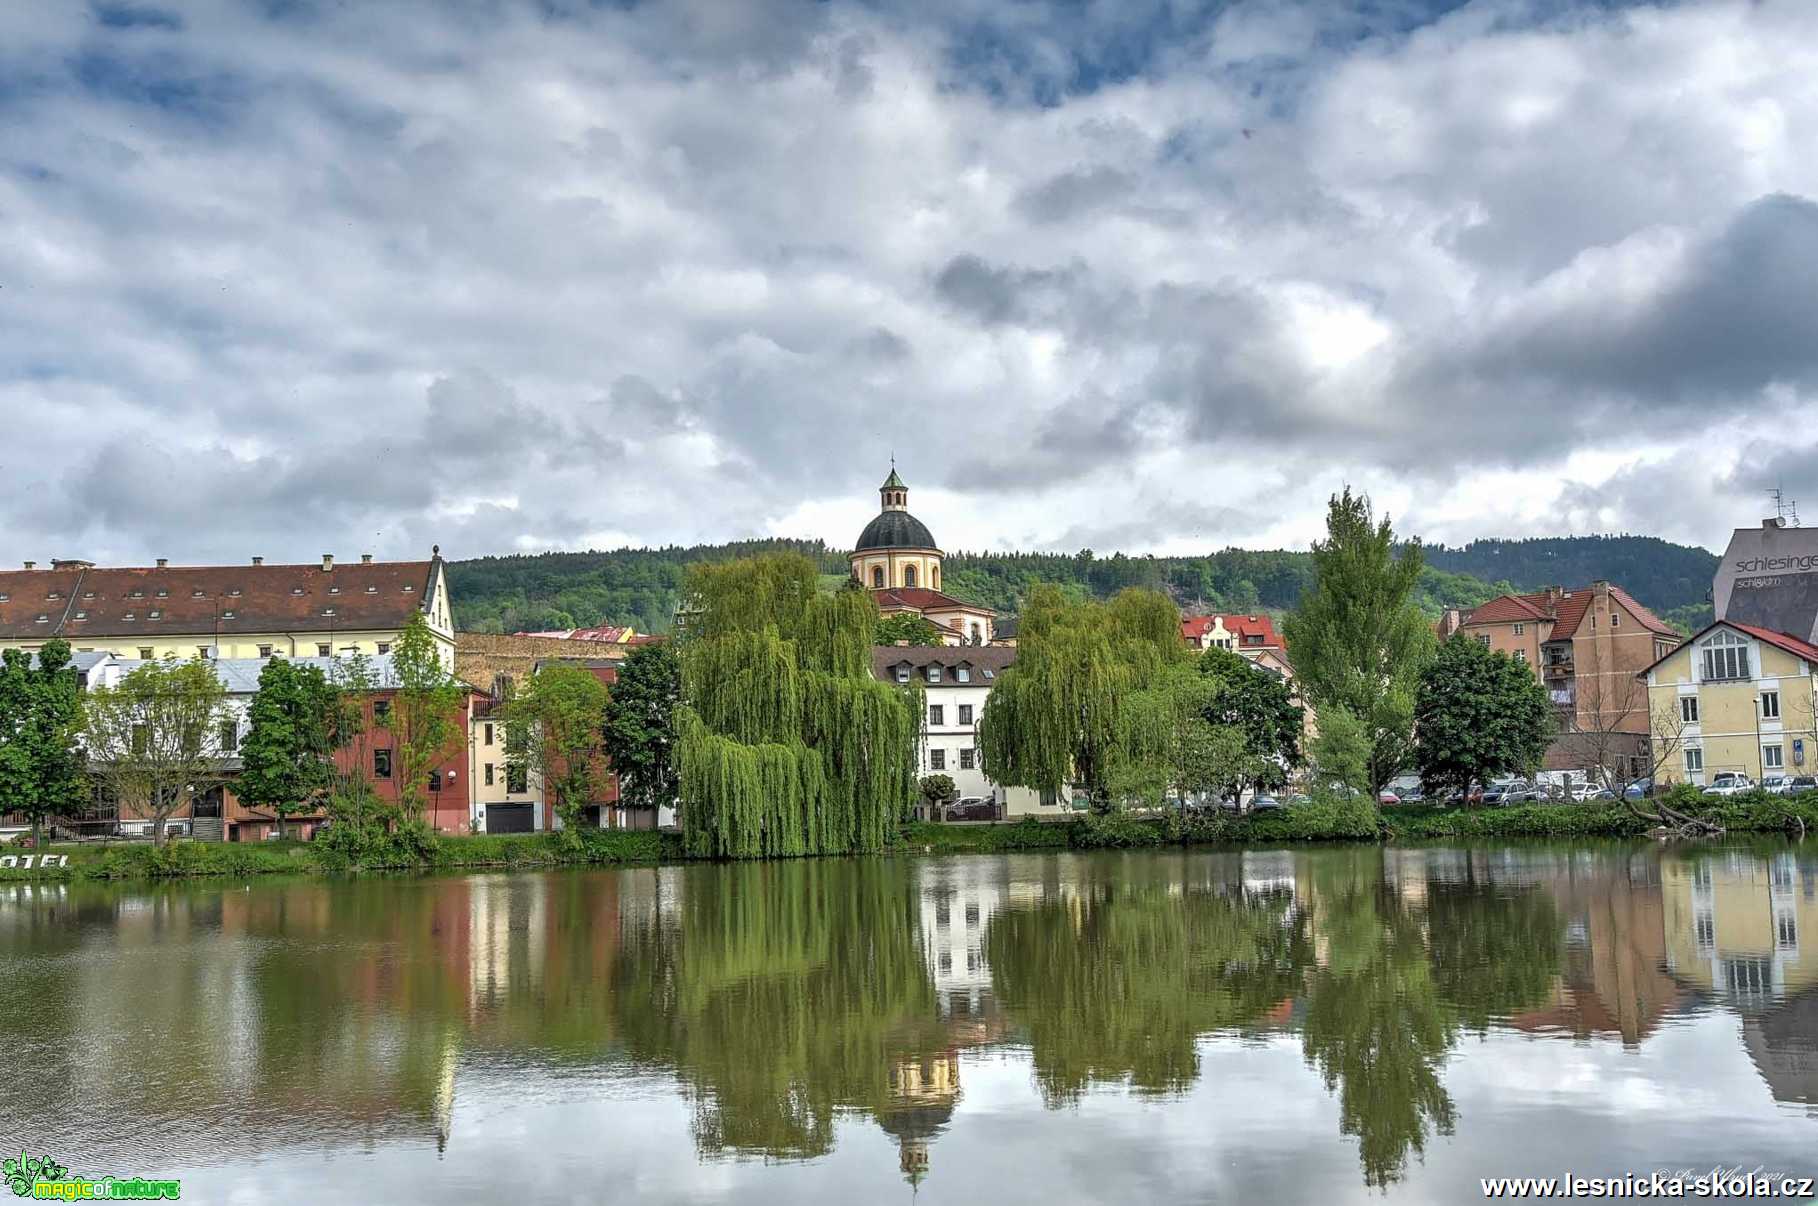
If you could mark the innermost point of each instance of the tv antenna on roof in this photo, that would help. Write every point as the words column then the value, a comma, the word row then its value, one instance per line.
column 1785, row 509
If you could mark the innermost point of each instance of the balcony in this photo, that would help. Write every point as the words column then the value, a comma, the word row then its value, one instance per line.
column 1563, row 697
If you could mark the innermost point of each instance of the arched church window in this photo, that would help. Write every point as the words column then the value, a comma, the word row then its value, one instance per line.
column 908, row 575
column 877, row 577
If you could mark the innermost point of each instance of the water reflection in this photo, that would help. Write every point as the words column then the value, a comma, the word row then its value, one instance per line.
column 784, row 1003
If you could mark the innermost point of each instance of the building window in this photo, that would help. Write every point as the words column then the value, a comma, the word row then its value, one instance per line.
column 877, row 577
column 1786, row 931
column 154, row 613
column 1615, row 619
column 937, row 760
column 934, row 674
column 435, row 780
column 82, row 615
column 1694, row 760
column 1688, row 709
column 1483, row 638
column 1726, row 656
column 265, row 651
column 1704, row 929
column 372, row 590
column 965, row 713
column 230, row 736
column 384, row 647
column 966, row 757
column 202, row 652
column 1770, row 705
column 42, row 619
column 517, row 777
column 328, row 611
column 381, row 764
column 489, row 734
column 1521, row 655
column 381, row 711
column 1520, row 628
column 228, row 614
column 937, row 714
column 902, row 673
column 908, row 575
column 489, row 774
column 322, row 651
column 296, row 590
column 1772, row 757
column 145, row 653
column 962, row 674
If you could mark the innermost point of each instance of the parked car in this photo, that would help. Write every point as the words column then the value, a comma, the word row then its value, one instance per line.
column 1385, row 796
column 1263, row 802
column 1728, row 783
column 1511, row 791
column 1774, row 785
column 1796, row 784
column 972, row 808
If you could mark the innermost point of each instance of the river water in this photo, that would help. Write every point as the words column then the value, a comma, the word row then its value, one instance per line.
column 1290, row 1026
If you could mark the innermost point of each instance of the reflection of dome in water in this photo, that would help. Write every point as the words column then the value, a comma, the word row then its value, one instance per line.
column 1783, row 1042
column 922, row 1096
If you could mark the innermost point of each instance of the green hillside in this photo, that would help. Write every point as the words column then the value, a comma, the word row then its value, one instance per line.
column 640, row 586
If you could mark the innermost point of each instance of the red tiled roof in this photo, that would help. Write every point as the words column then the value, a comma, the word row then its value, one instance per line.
column 1193, row 628
column 1566, row 611
column 97, row 601
column 920, row 598
column 611, row 634
column 1779, row 640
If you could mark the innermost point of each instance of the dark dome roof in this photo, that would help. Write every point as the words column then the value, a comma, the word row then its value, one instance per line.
column 895, row 530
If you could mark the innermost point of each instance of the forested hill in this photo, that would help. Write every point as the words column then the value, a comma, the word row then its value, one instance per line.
column 640, row 586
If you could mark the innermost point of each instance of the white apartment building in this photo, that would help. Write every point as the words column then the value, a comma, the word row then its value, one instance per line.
column 956, row 683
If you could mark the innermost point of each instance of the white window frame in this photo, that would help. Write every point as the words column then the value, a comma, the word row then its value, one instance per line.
column 1694, row 760
column 1520, row 628
column 1770, row 705
column 1778, row 761
column 934, row 674
column 1688, row 709
column 1728, row 648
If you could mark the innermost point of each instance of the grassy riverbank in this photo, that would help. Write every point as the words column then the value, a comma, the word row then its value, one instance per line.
column 1320, row 821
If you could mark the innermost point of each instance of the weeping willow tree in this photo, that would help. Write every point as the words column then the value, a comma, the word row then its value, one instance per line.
column 1070, row 709
column 788, row 744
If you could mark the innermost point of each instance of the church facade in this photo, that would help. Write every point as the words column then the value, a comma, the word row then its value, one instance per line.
column 896, row 559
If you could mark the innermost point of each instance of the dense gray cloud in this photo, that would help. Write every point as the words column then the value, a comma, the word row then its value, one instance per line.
column 285, row 279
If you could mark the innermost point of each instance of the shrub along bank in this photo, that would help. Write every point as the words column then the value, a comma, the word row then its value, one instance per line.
column 1320, row 820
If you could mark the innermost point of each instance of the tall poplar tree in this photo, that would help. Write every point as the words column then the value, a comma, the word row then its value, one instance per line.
column 639, row 725
column 1359, row 641
column 788, row 744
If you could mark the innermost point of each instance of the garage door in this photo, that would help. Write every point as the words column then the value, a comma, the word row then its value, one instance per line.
column 509, row 818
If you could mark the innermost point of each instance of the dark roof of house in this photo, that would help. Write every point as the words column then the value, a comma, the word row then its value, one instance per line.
column 920, row 598
column 895, row 530
column 886, row 658
column 1246, row 626
column 79, row 600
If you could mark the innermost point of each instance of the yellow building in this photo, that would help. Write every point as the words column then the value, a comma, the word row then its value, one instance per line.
column 1742, row 925
column 221, row 611
column 1734, row 698
column 896, row 559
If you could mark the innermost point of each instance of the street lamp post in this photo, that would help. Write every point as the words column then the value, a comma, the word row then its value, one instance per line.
column 1760, row 763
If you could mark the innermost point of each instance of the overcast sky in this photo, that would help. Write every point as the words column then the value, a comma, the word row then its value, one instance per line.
column 307, row 276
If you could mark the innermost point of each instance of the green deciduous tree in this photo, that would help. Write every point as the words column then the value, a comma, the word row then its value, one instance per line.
column 424, row 712
column 287, row 759
column 41, row 771
column 1341, row 749
column 1056, row 716
column 1167, row 743
column 155, row 738
column 1359, row 640
column 555, row 719
column 1258, row 703
column 1478, row 714
column 788, row 745
column 907, row 626
column 939, row 790
column 639, row 726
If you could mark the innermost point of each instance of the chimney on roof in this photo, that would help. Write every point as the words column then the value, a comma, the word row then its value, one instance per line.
column 328, row 561
column 1601, row 587
column 71, row 563
column 1555, row 594
column 258, row 561
column 365, row 558
column 31, row 565
column 1773, row 521
column 163, row 562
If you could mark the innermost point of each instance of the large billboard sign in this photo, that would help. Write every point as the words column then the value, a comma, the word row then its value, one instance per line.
column 1769, row 578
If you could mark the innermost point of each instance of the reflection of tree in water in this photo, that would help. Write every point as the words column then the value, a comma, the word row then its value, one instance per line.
column 1374, row 1024
column 782, row 993
column 1494, row 952
column 1121, row 982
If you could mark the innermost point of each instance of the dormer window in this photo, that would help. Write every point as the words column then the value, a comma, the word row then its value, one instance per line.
column 82, row 615
column 408, row 589
column 934, row 674
column 372, row 590
column 4, row 597
column 88, row 594
column 129, row 616
column 962, row 674
column 296, row 590
column 155, row 613
column 989, row 674
column 53, row 596
column 135, row 594
column 195, row 594
column 235, row 592
column 334, row 590
column 163, row 594
column 328, row 611
column 1726, row 656
column 228, row 614
column 42, row 619
column 902, row 673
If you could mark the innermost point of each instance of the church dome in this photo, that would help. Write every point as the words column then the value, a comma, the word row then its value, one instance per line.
column 895, row 530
